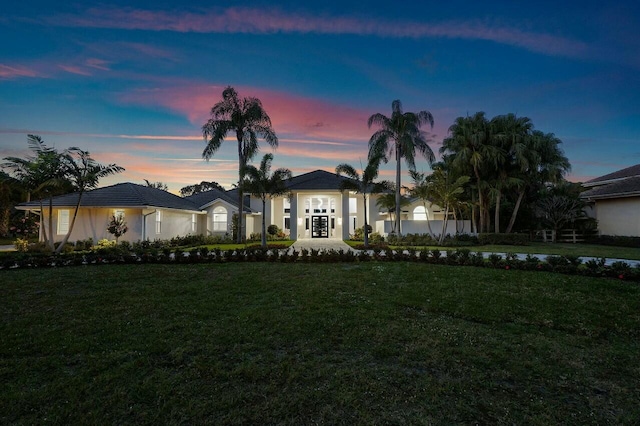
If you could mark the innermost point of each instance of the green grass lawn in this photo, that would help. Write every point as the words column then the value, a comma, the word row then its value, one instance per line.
column 363, row 343
column 590, row 250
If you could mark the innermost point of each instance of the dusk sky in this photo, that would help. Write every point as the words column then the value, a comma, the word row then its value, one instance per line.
column 133, row 82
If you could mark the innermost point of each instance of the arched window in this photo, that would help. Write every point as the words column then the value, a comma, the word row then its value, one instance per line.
column 419, row 213
column 220, row 219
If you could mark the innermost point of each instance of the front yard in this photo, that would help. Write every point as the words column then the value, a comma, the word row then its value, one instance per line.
column 366, row 343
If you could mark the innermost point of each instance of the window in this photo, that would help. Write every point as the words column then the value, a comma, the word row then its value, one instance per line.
column 220, row 219
column 353, row 205
column 63, row 222
column 287, row 205
column 158, row 221
column 287, row 223
column 193, row 222
column 419, row 213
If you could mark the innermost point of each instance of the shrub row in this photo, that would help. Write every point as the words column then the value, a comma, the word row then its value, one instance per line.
column 503, row 239
column 615, row 240
column 462, row 256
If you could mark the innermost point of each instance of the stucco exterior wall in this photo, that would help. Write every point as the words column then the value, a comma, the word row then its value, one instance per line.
column 92, row 223
column 619, row 216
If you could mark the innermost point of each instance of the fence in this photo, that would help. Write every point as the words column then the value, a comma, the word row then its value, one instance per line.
column 564, row 236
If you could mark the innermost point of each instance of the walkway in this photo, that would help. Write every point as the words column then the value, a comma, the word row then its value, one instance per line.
column 321, row 244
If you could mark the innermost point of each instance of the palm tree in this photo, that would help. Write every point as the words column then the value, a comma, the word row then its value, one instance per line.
column 248, row 119
column 41, row 174
column 446, row 193
column 264, row 184
column 542, row 162
column 468, row 147
column 400, row 136
column 364, row 185
column 422, row 189
column 84, row 173
column 387, row 201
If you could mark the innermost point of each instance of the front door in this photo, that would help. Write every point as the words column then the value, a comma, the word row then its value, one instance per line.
column 320, row 227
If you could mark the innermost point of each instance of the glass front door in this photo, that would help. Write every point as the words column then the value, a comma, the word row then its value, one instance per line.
column 320, row 227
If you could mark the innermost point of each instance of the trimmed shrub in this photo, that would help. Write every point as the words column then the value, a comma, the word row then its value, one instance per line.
column 503, row 239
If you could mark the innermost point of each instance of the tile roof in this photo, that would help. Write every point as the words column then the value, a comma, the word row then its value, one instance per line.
column 121, row 195
column 629, row 187
column 620, row 174
column 316, row 180
column 204, row 198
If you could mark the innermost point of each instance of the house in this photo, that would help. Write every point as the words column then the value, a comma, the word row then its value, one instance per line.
column 614, row 200
column 316, row 208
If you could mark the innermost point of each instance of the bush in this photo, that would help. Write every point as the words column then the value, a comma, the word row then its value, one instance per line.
column 273, row 230
column 21, row 244
column 615, row 240
column 503, row 239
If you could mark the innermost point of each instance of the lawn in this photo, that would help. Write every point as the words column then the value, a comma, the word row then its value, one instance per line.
column 356, row 343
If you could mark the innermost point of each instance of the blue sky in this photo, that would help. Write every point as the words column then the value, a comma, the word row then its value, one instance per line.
column 134, row 83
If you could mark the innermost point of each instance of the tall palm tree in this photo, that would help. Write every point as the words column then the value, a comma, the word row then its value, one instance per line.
column 468, row 147
column 248, row 119
column 363, row 184
column 446, row 192
column 84, row 173
column 266, row 185
column 400, row 136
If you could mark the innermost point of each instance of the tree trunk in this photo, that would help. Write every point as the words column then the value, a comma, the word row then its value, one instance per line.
column 481, row 207
column 515, row 211
column 431, row 234
column 264, row 225
column 73, row 222
column 497, row 212
column 241, row 164
column 51, row 243
column 366, row 223
column 398, row 208
column 444, row 224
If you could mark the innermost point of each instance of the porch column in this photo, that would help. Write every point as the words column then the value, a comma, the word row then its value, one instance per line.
column 345, row 215
column 293, row 217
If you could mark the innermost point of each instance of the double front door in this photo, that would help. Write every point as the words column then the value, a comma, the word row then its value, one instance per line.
column 319, row 226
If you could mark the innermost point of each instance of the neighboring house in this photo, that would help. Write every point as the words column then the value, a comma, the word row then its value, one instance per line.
column 614, row 200
column 316, row 208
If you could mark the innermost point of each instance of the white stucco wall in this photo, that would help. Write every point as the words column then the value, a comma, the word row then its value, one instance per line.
column 619, row 216
column 92, row 223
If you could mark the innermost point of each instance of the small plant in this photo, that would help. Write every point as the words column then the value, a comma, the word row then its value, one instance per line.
column 117, row 226
column 21, row 245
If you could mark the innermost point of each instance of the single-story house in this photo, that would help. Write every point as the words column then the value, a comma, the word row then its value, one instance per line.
column 614, row 200
column 316, row 208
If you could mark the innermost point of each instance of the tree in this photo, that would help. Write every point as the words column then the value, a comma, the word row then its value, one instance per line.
column 400, row 136
column 248, row 119
column 157, row 185
column 42, row 174
column 387, row 201
column 363, row 184
column 84, row 173
column 266, row 185
column 422, row 189
column 468, row 150
column 117, row 227
column 200, row 187
column 446, row 193
column 556, row 211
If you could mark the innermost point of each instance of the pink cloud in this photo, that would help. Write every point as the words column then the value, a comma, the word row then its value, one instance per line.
column 72, row 69
column 306, row 118
column 16, row 71
column 99, row 64
column 268, row 21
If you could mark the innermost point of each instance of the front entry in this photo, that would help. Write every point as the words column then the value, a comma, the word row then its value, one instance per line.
column 320, row 227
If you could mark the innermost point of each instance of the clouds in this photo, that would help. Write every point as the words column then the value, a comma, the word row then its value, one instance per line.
column 17, row 71
column 239, row 20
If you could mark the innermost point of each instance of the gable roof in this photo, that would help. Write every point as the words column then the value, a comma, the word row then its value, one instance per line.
column 629, row 187
column 620, row 174
column 317, row 180
column 120, row 195
column 205, row 198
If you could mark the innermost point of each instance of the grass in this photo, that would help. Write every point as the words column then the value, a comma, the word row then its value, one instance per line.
column 370, row 343
column 589, row 250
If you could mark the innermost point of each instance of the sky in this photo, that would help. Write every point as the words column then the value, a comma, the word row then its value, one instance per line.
column 133, row 82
